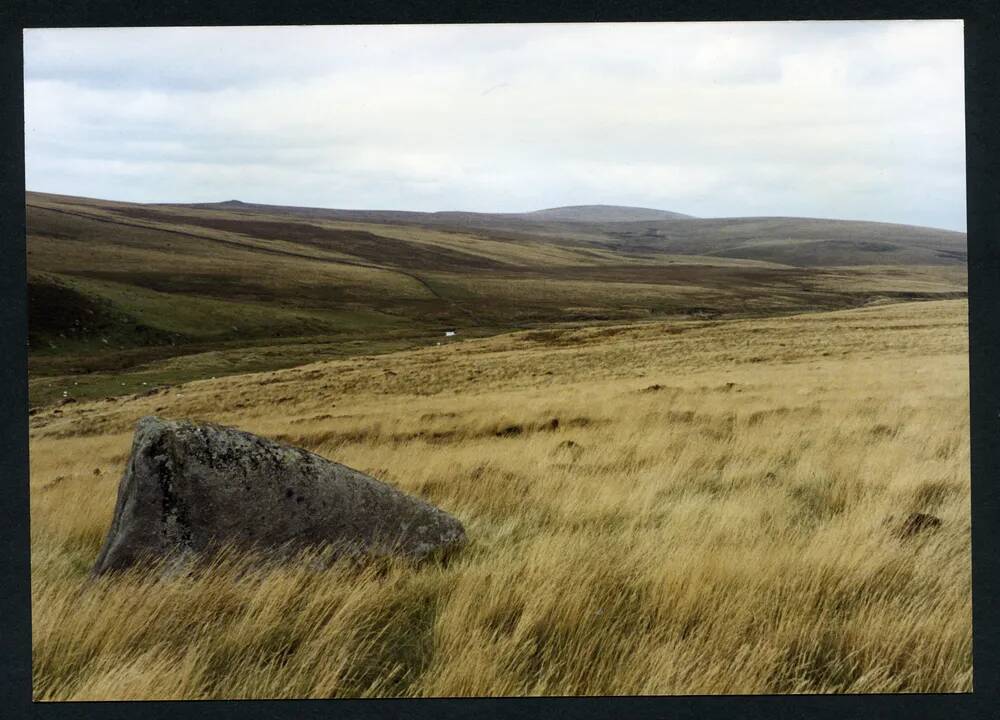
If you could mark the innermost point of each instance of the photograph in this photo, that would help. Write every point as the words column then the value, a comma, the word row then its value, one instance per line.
column 498, row 360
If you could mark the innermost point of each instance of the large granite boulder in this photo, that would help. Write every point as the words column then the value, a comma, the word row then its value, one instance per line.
column 193, row 489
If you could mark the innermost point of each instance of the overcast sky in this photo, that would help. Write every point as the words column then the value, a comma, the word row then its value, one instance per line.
column 861, row 120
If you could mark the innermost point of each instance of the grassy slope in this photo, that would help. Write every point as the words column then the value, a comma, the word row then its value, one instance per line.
column 126, row 296
column 795, row 241
column 723, row 521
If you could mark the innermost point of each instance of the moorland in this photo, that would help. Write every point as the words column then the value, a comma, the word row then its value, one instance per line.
column 685, row 450
column 123, row 297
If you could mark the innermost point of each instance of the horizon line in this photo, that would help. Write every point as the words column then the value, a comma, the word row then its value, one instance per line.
column 687, row 216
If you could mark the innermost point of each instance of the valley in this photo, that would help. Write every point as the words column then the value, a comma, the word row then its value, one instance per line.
column 125, row 297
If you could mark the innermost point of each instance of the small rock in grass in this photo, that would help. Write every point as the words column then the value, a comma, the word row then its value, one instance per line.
column 569, row 449
column 509, row 431
column 917, row 522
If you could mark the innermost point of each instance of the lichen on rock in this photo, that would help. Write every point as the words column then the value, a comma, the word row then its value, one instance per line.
column 193, row 489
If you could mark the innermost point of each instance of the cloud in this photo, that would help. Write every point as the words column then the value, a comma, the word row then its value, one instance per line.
column 837, row 119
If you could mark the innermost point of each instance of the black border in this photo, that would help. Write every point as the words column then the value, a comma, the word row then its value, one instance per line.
column 982, row 67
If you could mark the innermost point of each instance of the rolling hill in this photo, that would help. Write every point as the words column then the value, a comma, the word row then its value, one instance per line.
column 602, row 213
column 123, row 294
column 569, row 213
column 688, row 457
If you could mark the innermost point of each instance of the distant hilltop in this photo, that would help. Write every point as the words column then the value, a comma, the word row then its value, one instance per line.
column 604, row 213
column 567, row 213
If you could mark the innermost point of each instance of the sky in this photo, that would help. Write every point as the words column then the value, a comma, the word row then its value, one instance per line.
column 855, row 120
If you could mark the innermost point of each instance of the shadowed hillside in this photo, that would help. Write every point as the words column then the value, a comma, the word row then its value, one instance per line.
column 124, row 296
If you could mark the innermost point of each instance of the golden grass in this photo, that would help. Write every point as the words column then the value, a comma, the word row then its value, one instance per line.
column 716, row 511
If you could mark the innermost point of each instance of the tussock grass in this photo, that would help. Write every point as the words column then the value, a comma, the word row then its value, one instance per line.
column 734, row 530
